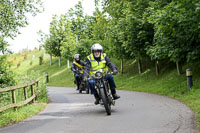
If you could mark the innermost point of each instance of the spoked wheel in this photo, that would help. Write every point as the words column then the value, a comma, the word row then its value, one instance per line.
column 80, row 88
column 105, row 101
column 87, row 88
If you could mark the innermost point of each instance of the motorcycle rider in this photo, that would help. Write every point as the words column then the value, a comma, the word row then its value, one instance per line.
column 77, row 68
column 96, row 61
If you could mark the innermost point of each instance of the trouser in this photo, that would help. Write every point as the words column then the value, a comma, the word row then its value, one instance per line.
column 110, row 82
column 77, row 79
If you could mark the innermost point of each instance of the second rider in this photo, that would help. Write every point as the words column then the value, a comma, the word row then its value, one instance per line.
column 77, row 68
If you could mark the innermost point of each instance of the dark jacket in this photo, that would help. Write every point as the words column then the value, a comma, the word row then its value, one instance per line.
column 88, row 65
column 76, row 69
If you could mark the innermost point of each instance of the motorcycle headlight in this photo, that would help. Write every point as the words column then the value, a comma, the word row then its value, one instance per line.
column 98, row 75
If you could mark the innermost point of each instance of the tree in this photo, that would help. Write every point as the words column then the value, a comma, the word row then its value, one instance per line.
column 68, row 44
column 61, row 41
column 82, row 27
column 134, row 33
column 14, row 15
column 53, row 42
column 176, row 31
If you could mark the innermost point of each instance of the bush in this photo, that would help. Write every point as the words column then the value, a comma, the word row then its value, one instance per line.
column 6, row 75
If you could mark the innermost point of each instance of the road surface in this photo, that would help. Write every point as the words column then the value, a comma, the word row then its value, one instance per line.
column 135, row 112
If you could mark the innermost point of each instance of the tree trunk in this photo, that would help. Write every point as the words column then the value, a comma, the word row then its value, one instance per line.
column 67, row 63
column 157, row 67
column 122, row 65
column 179, row 67
column 139, row 66
column 50, row 60
column 59, row 61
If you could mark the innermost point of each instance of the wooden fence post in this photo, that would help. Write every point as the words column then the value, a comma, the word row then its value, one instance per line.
column 25, row 93
column 37, row 84
column 32, row 92
column 14, row 99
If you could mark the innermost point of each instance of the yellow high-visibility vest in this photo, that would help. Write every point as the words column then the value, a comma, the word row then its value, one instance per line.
column 97, row 66
column 80, row 66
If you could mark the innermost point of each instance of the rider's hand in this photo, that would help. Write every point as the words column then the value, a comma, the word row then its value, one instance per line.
column 115, row 71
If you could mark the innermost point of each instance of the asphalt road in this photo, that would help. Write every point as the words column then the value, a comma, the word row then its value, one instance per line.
column 135, row 112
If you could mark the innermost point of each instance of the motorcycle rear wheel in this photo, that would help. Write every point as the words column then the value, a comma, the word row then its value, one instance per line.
column 80, row 88
column 87, row 91
column 105, row 101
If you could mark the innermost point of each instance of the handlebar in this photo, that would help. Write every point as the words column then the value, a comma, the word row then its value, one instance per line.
column 104, row 74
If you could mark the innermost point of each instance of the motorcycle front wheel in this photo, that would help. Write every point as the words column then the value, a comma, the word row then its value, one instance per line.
column 105, row 101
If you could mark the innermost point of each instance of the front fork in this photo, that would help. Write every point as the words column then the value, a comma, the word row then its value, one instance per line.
column 104, row 85
column 108, row 93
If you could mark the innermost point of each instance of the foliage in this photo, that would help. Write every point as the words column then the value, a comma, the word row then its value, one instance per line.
column 14, row 15
column 52, row 43
column 3, row 46
column 6, row 75
column 69, row 34
column 139, row 29
column 177, row 30
column 129, row 31
column 83, row 48
column 69, row 41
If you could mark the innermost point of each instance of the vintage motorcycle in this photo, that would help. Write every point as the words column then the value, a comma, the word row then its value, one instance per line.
column 103, row 90
column 84, row 86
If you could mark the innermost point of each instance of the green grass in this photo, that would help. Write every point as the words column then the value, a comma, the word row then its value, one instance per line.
column 22, row 113
column 168, row 83
column 58, row 76
column 23, row 74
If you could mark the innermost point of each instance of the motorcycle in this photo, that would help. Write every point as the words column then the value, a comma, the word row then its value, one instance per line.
column 103, row 90
column 83, row 86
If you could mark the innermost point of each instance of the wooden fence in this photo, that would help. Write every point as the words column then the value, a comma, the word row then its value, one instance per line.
column 27, row 100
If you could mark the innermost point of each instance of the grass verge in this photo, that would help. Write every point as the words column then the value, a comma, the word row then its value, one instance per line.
column 168, row 83
column 10, row 116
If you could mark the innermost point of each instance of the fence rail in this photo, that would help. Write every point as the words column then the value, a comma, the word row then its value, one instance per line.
column 27, row 100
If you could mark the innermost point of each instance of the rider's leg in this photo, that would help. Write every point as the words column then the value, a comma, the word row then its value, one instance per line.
column 112, row 86
column 94, row 91
column 77, row 77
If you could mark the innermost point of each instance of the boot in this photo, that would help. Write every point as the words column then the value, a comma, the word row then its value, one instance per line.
column 77, row 88
column 115, row 96
column 96, row 96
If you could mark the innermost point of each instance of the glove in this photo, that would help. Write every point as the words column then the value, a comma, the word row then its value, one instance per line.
column 78, row 72
column 115, row 71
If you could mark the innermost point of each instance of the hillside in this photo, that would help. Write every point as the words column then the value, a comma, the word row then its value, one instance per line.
column 167, row 83
column 27, row 63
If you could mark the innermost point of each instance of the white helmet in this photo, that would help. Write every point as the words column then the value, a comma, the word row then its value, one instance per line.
column 76, row 56
column 96, row 47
